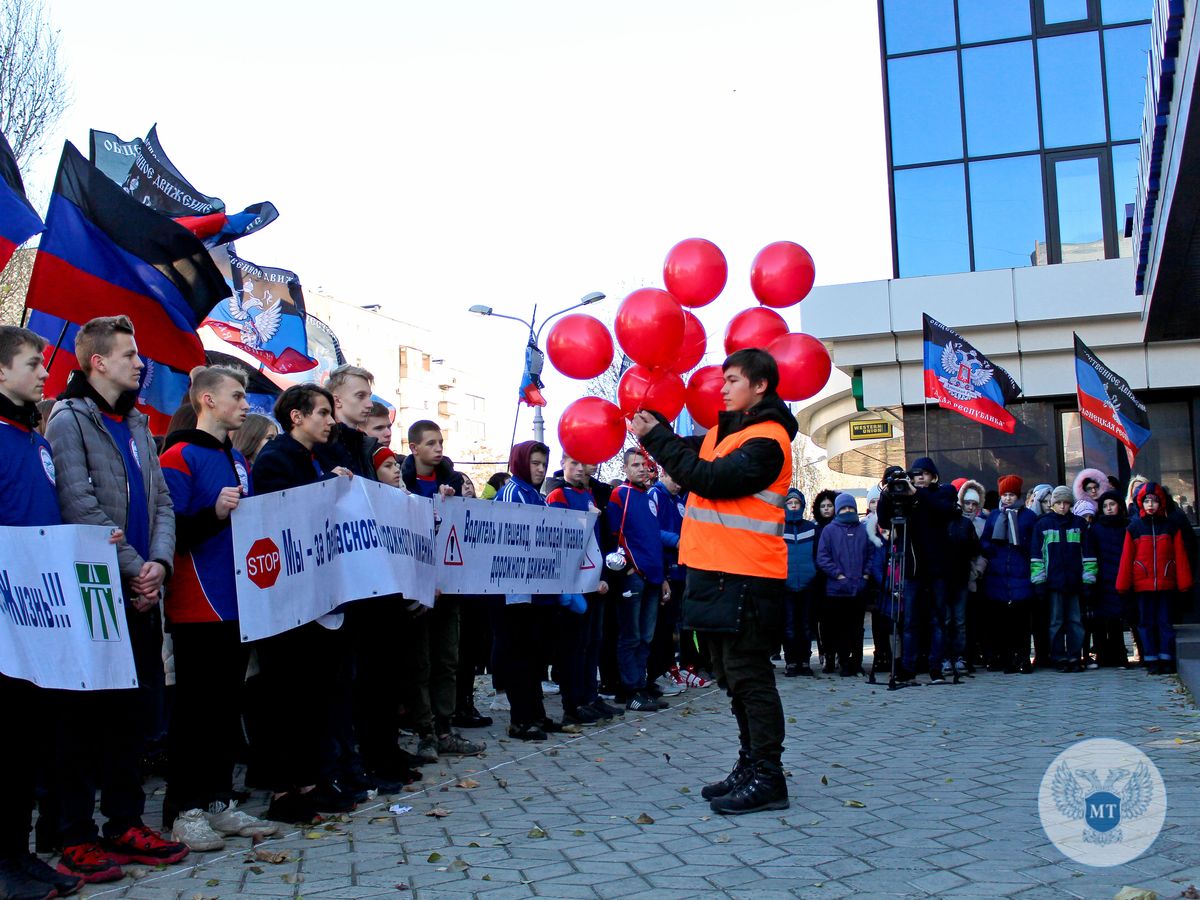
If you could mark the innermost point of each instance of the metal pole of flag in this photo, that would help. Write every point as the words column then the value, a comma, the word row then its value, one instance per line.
column 535, row 336
column 53, row 353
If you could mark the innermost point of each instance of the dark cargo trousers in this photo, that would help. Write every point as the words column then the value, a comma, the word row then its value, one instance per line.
column 743, row 668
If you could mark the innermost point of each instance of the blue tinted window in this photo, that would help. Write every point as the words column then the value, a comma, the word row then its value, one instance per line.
column 1125, row 10
column 1060, row 11
column 1001, row 100
column 1125, row 158
column 1080, row 214
column 1007, row 219
column 931, row 221
column 1125, row 53
column 918, row 24
column 1072, row 99
column 986, row 20
column 923, row 95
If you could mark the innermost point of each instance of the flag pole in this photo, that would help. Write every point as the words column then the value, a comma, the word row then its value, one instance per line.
column 925, row 409
column 53, row 353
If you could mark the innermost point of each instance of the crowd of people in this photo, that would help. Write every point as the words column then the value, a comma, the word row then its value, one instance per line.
column 711, row 567
column 316, row 713
column 957, row 577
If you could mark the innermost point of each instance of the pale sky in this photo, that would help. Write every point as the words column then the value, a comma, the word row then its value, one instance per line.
column 429, row 156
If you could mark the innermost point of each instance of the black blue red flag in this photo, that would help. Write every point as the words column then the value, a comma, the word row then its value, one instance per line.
column 18, row 221
column 959, row 377
column 531, row 378
column 260, row 390
column 144, row 171
column 265, row 316
column 1107, row 401
column 105, row 254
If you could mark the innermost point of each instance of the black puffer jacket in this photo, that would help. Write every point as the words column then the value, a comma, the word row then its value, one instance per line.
column 349, row 448
column 717, row 601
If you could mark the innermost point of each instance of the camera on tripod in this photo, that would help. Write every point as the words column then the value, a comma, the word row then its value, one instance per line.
column 897, row 482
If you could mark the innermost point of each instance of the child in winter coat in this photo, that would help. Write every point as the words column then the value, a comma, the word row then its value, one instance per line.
column 845, row 556
column 800, row 536
column 1107, row 539
column 824, row 614
column 1060, row 566
column 963, row 550
column 1154, row 565
column 1007, row 535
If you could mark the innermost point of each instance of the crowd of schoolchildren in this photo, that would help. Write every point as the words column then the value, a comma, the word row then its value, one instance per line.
column 957, row 577
column 319, row 713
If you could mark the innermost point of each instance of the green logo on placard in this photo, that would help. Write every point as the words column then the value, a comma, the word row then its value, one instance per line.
column 99, row 600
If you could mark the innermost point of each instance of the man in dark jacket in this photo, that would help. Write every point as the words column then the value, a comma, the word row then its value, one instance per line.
column 108, row 474
column 927, row 508
column 732, row 543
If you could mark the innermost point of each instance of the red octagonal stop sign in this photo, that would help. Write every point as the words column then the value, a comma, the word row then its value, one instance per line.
column 262, row 563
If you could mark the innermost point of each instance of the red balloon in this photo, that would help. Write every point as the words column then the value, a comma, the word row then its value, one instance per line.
column 591, row 430
column 804, row 365
column 691, row 349
column 782, row 274
column 754, row 327
column 649, row 327
column 580, row 346
column 704, row 399
column 656, row 389
column 695, row 272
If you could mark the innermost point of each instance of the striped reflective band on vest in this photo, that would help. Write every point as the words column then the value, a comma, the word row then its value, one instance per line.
column 729, row 520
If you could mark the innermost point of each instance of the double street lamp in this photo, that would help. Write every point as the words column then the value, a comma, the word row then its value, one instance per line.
column 536, row 358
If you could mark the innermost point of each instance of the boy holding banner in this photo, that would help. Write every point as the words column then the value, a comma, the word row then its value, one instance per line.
column 108, row 474
column 27, row 483
column 207, row 478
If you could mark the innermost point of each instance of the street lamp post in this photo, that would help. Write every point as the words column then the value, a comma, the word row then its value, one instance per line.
column 535, row 337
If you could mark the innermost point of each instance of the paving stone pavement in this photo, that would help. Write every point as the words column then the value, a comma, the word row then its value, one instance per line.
column 948, row 778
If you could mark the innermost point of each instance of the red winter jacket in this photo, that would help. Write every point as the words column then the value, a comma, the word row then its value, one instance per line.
column 1154, row 557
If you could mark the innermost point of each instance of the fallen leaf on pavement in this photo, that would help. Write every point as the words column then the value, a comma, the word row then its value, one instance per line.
column 721, row 839
column 266, row 854
column 438, row 813
column 459, row 864
column 433, row 857
column 857, row 804
column 314, row 835
column 824, row 781
column 643, row 819
column 468, row 784
column 536, row 832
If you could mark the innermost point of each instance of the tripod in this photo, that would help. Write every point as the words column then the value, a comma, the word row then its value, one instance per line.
column 895, row 582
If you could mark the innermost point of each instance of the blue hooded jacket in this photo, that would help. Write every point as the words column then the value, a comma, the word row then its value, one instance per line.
column 800, row 535
column 633, row 514
column 670, row 509
column 845, row 550
column 1007, row 577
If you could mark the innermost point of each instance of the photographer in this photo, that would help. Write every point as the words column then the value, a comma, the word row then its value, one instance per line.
column 926, row 509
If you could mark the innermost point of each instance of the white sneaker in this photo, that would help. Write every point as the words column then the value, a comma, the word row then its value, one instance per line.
column 228, row 820
column 668, row 685
column 500, row 703
column 549, row 688
column 192, row 828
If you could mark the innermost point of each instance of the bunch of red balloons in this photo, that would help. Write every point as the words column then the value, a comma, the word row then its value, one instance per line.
column 665, row 341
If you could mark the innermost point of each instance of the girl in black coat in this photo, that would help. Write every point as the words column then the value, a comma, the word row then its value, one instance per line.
column 1107, row 538
column 826, row 612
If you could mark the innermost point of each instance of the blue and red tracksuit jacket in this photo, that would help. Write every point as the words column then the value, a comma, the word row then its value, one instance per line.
column 26, row 470
column 196, row 467
column 633, row 514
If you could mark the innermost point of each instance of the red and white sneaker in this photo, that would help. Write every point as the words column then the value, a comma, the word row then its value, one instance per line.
column 694, row 679
column 146, row 846
column 90, row 863
column 677, row 676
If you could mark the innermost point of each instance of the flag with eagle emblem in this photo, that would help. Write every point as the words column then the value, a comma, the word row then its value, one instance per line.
column 1107, row 401
column 959, row 377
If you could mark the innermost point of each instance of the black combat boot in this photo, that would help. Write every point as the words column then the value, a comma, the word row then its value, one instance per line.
column 742, row 771
column 765, row 789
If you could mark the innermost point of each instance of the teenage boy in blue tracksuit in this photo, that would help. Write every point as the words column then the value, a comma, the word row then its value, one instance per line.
column 580, row 633
column 800, row 535
column 1060, row 566
column 636, row 524
column 669, row 500
column 27, row 485
column 207, row 478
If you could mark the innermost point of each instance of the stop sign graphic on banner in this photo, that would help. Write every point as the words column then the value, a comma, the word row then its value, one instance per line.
column 262, row 563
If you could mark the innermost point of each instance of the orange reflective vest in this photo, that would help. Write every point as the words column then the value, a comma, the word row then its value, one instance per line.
column 742, row 536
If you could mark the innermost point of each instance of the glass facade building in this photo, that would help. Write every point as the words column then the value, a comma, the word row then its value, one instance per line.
column 1013, row 130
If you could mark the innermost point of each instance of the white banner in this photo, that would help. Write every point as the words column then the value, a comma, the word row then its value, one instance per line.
column 62, row 613
column 301, row 553
column 485, row 547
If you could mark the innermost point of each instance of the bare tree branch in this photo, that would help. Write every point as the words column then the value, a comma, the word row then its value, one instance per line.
column 33, row 85
column 14, row 281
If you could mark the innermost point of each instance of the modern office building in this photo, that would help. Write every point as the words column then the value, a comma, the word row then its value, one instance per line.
column 1042, row 183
